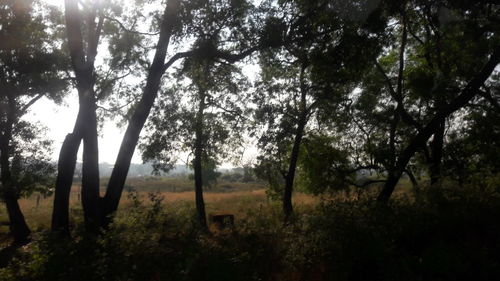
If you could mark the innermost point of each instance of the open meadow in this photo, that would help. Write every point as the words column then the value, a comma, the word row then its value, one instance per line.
column 227, row 197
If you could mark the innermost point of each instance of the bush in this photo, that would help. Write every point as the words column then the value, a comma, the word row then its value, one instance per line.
column 448, row 233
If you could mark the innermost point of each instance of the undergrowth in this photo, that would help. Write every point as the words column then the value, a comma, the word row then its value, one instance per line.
column 447, row 233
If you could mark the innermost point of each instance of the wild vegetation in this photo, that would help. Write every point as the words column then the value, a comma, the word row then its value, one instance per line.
column 376, row 125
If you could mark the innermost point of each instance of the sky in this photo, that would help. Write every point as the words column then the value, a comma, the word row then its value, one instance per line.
column 60, row 119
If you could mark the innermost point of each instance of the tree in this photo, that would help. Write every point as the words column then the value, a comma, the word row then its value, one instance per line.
column 472, row 150
column 126, row 50
column 310, row 74
column 441, row 74
column 206, row 121
column 177, row 21
column 85, row 26
column 209, row 173
column 222, row 19
column 31, row 68
column 418, row 81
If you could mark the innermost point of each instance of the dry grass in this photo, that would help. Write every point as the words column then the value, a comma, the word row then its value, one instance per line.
column 238, row 203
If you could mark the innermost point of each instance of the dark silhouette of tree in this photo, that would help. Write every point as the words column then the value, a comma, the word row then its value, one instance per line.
column 87, row 25
column 84, row 29
column 31, row 68
column 417, row 81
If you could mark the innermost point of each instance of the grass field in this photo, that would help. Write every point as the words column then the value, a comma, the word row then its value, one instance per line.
column 239, row 203
column 229, row 197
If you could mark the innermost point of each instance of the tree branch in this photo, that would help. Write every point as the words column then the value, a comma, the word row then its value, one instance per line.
column 122, row 26
column 100, row 95
column 487, row 95
column 404, row 114
column 31, row 102
column 176, row 57
column 232, row 58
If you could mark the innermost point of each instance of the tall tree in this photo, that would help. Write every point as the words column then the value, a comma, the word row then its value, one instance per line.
column 176, row 21
column 169, row 25
column 31, row 68
column 87, row 24
column 285, row 109
column 83, row 34
column 204, row 118
column 224, row 23
column 442, row 74
column 311, row 72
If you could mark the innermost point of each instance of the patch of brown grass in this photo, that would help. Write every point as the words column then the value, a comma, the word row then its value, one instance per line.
column 239, row 203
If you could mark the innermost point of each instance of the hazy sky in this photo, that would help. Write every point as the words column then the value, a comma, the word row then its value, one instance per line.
column 60, row 120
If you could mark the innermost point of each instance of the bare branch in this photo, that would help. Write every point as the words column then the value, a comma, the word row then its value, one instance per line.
column 115, row 109
column 232, row 112
column 404, row 114
column 232, row 58
column 176, row 57
column 100, row 95
column 31, row 102
column 122, row 26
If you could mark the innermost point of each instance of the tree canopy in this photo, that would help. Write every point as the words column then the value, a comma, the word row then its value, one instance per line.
column 338, row 95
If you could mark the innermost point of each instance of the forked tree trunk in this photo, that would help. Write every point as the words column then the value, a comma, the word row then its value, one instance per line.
column 85, row 126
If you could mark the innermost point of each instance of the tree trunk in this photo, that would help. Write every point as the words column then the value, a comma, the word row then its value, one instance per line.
column 65, row 172
column 85, row 129
column 90, row 165
column 421, row 138
column 198, row 154
column 141, row 113
column 437, row 153
column 392, row 169
column 85, row 126
column 290, row 176
column 18, row 226
column 414, row 183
